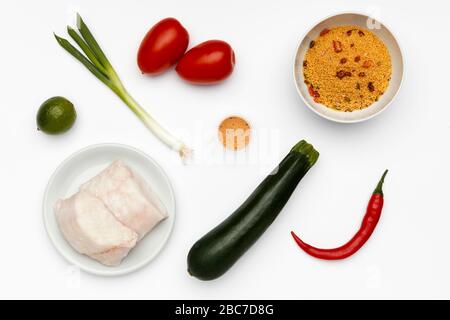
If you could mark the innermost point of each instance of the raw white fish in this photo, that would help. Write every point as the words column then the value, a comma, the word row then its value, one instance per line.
column 128, row 197
column 91, row 229
column 109, row 214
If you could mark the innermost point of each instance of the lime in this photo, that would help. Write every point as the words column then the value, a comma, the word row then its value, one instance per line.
column 56, row 115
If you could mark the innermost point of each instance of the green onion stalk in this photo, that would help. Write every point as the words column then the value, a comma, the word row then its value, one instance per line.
column 96, row 62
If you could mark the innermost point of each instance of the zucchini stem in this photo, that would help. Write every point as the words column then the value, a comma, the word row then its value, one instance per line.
column 307, row 150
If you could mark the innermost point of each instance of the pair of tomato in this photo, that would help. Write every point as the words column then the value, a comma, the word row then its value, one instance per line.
column 165, row 45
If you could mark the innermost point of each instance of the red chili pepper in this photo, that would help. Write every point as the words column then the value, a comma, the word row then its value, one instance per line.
column 368, row 225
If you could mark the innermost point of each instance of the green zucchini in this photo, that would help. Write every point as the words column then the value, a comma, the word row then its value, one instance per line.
column 218, row 250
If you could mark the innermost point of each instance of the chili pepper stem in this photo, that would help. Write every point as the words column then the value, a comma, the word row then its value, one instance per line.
column 379, row 188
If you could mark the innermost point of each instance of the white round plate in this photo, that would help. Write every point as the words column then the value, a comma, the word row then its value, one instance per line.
column 87, row 163
column 389, row 40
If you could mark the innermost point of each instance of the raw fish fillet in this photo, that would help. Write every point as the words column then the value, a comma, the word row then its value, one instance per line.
column 93, row 230
column 128, row 197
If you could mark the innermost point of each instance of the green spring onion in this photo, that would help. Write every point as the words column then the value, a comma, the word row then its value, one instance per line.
column 96, row 62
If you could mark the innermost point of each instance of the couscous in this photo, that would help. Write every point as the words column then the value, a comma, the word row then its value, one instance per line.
column 347, row 68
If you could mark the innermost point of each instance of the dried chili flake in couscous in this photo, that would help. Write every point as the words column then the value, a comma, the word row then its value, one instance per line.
column 324, row 32
column 348, row 68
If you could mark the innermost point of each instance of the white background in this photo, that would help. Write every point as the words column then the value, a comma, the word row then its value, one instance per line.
column 408, row 255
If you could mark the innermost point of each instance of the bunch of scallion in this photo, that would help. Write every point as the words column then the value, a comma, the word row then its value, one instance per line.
column 96, row 62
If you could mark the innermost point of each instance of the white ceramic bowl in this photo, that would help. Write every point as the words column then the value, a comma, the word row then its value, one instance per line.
column 389, row 40
column 85, row 164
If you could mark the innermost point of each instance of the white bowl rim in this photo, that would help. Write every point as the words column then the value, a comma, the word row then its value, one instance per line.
column 111, row 272
column 352, row 120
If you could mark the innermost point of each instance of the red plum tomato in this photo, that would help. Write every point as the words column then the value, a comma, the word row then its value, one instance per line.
column 210, row 62
column 162, row 46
